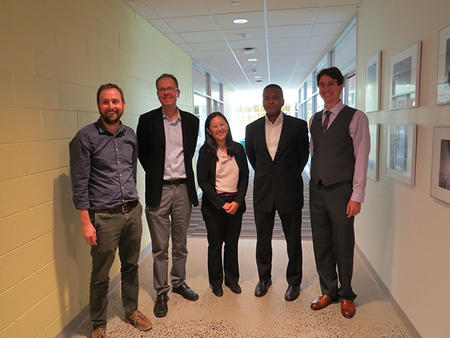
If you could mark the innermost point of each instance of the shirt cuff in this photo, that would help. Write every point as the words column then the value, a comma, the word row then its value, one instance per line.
column 357, row 197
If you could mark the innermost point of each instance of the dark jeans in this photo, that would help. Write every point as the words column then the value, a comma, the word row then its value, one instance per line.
column 115, row 230
column 222, row 228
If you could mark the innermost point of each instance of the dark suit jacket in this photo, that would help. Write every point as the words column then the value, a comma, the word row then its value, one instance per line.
column 206, row 176
column 152, row 148
column 279, row 182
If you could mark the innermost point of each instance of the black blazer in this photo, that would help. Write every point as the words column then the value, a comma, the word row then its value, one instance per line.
column 278, row 182
column 152, row 149
column 206, row 176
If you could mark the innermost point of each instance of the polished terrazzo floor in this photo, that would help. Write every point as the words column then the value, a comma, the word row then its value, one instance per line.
column 245, row 315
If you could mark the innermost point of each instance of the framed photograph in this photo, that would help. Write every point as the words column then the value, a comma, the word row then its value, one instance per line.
column 404, row 78
column 443, row 78
column 440, row 168
column 372, row 169
column 373, row 73
column 401, row 152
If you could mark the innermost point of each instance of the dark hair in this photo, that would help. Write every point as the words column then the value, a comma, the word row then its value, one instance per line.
column 210, row 142
column 332, row 72
column 273, row 86
column 165, row 75
column 109, row 86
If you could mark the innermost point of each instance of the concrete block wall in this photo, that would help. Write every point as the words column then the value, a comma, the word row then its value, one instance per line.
column 55, row 54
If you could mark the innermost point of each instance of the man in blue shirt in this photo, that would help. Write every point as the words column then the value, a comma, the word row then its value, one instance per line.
column 103, row 157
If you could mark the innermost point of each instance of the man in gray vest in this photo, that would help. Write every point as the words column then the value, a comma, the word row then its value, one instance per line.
column 340, row 145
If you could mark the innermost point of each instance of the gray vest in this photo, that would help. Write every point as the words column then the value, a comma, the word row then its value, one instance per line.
column 333, row 159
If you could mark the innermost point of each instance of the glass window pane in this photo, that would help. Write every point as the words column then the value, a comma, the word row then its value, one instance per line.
column 199, row 80
column 200, row 112
column 215, row 89
column 350, row 92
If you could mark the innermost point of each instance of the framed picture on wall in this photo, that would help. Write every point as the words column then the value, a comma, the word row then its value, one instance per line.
column 401, row 152
column 372, row 169
column 373, row 72
column 440, row 168
column 404, row 78
column 443, row 76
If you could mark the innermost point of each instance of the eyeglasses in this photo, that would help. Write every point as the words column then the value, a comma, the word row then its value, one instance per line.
column 168, row 89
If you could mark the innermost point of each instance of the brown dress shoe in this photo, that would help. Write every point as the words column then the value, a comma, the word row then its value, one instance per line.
column 138, row 320
column 99, row 333
column 321, row 302
column 347, row 308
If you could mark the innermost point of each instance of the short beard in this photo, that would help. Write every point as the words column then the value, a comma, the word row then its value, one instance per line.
column 108, row 120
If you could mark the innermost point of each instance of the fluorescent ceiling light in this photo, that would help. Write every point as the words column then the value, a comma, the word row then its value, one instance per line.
column 240, row 21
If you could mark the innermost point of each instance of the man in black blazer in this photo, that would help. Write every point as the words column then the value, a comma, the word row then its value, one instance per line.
column 277, row 148
column 167, row 137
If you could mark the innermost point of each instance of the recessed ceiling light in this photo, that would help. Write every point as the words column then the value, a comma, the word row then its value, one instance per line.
column 235, row 3
column 249, row 50
column 257, row 76
column 240, row 21
column 252, row 60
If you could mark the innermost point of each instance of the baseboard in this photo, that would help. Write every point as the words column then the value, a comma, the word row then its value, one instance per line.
column 403, row 317
column 80, row 319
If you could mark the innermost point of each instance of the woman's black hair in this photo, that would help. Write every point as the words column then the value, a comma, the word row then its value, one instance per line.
column 210, row 142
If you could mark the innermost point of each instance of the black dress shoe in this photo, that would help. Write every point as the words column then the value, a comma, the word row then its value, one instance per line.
column 262, row 287
column 160, row 308
column 184, row 290
column 292, row 293
column 234, row 287
column 217, row 290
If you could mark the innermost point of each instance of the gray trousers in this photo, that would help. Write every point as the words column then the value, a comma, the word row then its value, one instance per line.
column 171, row 217
column 115, row 230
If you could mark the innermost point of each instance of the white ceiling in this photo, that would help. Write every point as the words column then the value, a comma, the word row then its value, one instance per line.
column 299, row 32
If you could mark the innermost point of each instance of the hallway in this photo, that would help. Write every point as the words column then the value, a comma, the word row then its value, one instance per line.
column 245, row 315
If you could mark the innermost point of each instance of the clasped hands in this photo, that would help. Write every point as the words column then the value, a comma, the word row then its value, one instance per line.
column 230, row 207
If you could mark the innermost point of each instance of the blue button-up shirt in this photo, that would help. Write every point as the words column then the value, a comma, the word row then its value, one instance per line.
column 103, row 167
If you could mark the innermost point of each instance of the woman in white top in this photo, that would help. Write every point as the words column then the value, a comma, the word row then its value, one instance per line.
column 222, row 173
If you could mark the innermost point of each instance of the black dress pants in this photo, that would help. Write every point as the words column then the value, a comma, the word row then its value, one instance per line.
column 333, row 238
column 222, row 228
column 292, row 232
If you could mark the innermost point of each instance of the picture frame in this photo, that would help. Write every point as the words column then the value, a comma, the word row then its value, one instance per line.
column 440, row 167
column 443, row 75
column 401, row 152
column 373, row 81
column 404, row 78
column 372, row 168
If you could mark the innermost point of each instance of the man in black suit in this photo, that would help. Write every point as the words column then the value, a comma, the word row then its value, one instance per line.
column 167, row 137
column 277, row 148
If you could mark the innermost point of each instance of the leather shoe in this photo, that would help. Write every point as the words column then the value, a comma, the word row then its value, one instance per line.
column 292, row 293
column 217, row 290
column 160, row 308
column 321, row 302
column 184, row 290
column 234, row 287
column 262, row 287
column 99, row 333
column 139, row 321
column 347, row 308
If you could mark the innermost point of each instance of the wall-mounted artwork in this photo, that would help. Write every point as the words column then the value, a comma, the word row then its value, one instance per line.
column 373, row 71
column 404, row 78
column 401, row 152
column 443, row 76
column 372, row 169
column 440, row 169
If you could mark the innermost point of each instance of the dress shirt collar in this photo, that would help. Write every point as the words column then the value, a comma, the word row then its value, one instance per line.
column 277, row 122
column 335, row 109
column 168, row 118
column 102, row 130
